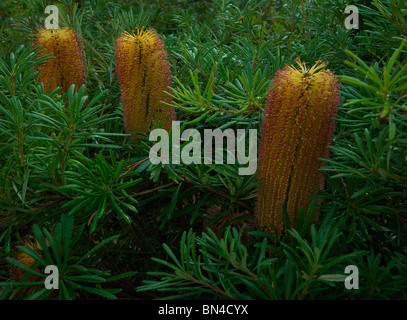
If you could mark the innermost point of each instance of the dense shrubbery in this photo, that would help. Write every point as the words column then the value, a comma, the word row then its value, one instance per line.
column 75, row 192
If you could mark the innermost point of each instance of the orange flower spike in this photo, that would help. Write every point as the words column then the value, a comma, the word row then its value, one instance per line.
column 68, row 67
column 144, row 75
column 297, row 129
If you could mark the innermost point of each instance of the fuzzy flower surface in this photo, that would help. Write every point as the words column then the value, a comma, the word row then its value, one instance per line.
column 144, row 76
column 68, row 65
column 297, row 129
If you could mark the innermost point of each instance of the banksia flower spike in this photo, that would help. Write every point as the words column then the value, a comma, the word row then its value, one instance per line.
column 68, row 67
column 144, row 75
column 297, row 129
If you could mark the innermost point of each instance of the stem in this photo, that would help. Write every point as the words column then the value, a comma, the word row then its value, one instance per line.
column 305, row 290
column 12, row 83
column 132, row 167
column 305, row 18
column 251, row 274
column 212, row 190
column 2, row 195
column 292, row 30
column 153, row 190
column 252, row 35
column 21, row 147
column 95, row 51
column 219, row 193
column 216, row 289
column 64, row 154
column 264, row 14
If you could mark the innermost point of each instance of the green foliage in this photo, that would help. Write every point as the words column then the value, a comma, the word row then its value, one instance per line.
column 70, row 176
column 223, row 268
column 99, row 189
column 59, row 250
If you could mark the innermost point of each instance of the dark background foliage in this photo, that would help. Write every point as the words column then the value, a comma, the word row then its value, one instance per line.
column 187, row 231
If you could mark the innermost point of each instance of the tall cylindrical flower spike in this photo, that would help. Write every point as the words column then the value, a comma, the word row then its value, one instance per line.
column 297, row 129
column 144, row 75
column 68, row 67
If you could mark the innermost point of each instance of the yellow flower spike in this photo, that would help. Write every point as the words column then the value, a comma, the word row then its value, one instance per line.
column 297, row 129
column 144, row 76
column 68, row 65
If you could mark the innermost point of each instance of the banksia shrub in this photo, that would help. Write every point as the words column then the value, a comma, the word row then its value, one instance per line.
column 68, row 67
column 144, row 75
column 297, row 129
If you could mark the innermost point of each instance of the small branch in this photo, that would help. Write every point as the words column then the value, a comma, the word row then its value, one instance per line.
column 64, row 154
column 216, row 289
column 219, row 193
column 252, row 35
column 264, row 14
column 154, row 189
column 134, row 165
column 344, row 187
column 21, row 147
column 186, row 180
column 253, row 276
column 95, row 51
column 13, row 76
column 253, row 109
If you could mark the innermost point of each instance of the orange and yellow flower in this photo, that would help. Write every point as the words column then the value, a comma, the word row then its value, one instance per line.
column 297, row 129
column 144, row 76
column 68, row 65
